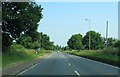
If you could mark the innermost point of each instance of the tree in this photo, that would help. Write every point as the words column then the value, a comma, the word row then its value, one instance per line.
column 19, row 18
column 95, row 39
column 117, row 44
column 65, row 48
column 57, row 47
column 111, row 42
column 6, row 40
column 75, row 42
column 46, row 43
column 26, row 41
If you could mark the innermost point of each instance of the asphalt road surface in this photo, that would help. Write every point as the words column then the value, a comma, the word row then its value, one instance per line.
column 60, row 63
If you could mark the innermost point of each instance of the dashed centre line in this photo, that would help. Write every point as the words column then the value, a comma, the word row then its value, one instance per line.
column 77, row 73
column 69, row 64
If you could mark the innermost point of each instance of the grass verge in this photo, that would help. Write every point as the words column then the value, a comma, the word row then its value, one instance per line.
column 18, row 54
column 98, row 56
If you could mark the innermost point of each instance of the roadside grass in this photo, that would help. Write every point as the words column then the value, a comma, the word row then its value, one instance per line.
column 101, row 56
column 18, row 54
column 0, row 59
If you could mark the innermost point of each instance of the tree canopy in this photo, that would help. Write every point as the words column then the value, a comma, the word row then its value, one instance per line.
column 75, row 42
column 19, row 18
column 95, row 39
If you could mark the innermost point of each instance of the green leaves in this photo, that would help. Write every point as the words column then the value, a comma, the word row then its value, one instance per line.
column 18, row 18
column 95, row 40
column 75, row 42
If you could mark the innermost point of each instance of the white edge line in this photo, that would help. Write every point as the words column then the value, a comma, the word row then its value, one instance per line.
column 26, row 69
column 30, row 67
column 22, row 72
column 103, row 63
column 77, row 73
column 100, row 63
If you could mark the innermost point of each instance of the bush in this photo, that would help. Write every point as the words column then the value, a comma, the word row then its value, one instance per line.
column 17, row 50
column 110, row 50
column 44, row 51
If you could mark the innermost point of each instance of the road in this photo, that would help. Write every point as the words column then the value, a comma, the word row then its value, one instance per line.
column 60, row 63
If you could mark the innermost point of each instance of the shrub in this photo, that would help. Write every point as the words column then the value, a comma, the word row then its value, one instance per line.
column 111, row 50
column 17, row 50
column 44, row 51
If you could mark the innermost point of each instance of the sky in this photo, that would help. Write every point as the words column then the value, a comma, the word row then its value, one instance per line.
column 63, row 19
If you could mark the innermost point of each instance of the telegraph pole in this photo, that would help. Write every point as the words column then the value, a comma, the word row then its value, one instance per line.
column 89, row 33
column 106, row 33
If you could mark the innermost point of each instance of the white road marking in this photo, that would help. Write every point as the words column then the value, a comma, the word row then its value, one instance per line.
column 96, row 61
column 69, row 64
column 22, row 72
column 100, row 63
column 32, row 66
column 27, row 69
column 77, row 73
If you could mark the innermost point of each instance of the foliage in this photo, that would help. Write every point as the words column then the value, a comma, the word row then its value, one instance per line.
column 95, row 39
column 65, row 48
column 57, row 47
column 117, row 44
column 26, row 41
column 40, row 40
column 19, row 18
column 20, row 54
column 111, row 51
column 17, row 50
column 111, row 42
column 75, row 42
column 45, row 42
column 6, row 40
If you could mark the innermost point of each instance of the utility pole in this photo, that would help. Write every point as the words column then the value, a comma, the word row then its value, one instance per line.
column 106, row 33
column 89, row 33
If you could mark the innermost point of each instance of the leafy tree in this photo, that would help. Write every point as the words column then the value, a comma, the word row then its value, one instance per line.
column 46, row 43
column 117, row 44
column 111, row 42
column 26, row 41
column 36, row 45
column 95, row 39
column 57, row 47
column 65, row 48
column 75, row 42
column 50, row 46
column 6, row 40
column 102, row 44
column 19, row 18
